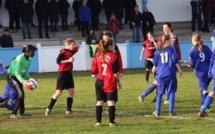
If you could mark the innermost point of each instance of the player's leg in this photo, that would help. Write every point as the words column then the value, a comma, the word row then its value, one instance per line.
column 71, row 92
column 147, row 64
column 111, row 97
column 209, row 99
column 100, row 98
column 158, row 104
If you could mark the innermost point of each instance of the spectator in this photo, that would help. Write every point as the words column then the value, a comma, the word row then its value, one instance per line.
column 6, row 40
column 76, row 5
column 135, row 20
column 147, row 25
column 26, row 13
column 96, row 7
column 113, row 25
column 207, row 7
column 32, row 3
column 129, row 6
column 196, row 15
column 85, row 16
column 42, row 11
column 107, row 6
column 63, row 6
column 118, row 10
column 53, row 15
column 0, row 14
column 104, row 30
column 91, row 37
column 13, row 9
column 213, row 14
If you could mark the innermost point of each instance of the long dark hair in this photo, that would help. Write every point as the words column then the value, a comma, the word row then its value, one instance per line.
column 104, row 47
column 28, row 47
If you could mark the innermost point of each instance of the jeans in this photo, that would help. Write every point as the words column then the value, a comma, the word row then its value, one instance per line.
column 114, row 37
column 136, row 34
column 64, row 20
column 28, row 26
column 54, row 26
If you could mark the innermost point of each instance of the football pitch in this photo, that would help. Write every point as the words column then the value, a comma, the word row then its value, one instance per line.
column 133, row 117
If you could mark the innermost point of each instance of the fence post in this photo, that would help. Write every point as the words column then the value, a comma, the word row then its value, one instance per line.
column 39, row 49
column 128, row 44
column 213, row 43
column 83, row 44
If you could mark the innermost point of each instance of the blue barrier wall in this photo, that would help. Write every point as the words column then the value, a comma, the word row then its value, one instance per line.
column 6, row 55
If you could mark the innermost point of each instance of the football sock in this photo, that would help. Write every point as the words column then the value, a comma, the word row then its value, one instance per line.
column 52, row 102
column 69, row 103
column 158, row 103
column 111, row 111
column 206, row 104
column 147, row 76
column 99, row 113
column 172, row 102
column 150, row 89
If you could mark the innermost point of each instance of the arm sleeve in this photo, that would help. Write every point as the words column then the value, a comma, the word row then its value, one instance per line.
column 119, row 59
column 60, row 58
column 17, row 71
column 115, row 66
column 94, row 69
column 75, row 50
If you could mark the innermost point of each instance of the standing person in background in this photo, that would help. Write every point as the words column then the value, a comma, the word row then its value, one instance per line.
column 6, row 40
column 91, row 37
column 149, row 48
column 13, row 9
column 42, row 11
column 207, row 7
column 129, row 6
column 63, row 6
column 196, row 15
column 200, row 56
column 85, row 16
column 118, row 9
column 53, row 15
column 65, row 80
column 32, row 23
column 18, row 76
column 212, row 21
column 105, row 69
column 113, row 25
column 96, row 7
column 76, row 5
column 147, row 25
column 0, row 12
column 135, row 20
column 26, row 13
column 107, row 6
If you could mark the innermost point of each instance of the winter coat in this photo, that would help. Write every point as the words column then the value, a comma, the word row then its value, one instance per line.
column 26, row 12
column 63, row 6
column 85, row 13
column 113, row 25
column 42, row 8
column 53, row 11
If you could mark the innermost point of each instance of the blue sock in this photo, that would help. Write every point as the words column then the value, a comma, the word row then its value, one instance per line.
column 204, row 96
column 201, row 97
column 172, row 102
column 10, row 106
column 158, row 103
column 206, row 104
column 148, row 90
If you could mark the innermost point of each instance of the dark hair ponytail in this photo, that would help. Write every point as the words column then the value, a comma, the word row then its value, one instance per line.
column 104, row 47
column 27, row 48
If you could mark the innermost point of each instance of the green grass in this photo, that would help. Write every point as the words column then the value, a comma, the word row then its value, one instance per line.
column 133, row 117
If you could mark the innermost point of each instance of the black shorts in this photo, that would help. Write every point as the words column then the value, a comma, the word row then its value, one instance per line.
column 101, row 95
column 148, row 64
column 64, row 80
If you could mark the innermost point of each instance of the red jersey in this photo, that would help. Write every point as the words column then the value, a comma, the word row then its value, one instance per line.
column 65, row 54
column 177, row 45
column 105, row 70
column 149, row 48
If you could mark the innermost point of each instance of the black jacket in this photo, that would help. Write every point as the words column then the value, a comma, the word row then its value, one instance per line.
column 75, row 5
column 26, row 12
column 136, row 18
column 6, row 41
column 42, row 8
column 63, row 6
column 196, row 8
column 118, row 8
column 53, row 11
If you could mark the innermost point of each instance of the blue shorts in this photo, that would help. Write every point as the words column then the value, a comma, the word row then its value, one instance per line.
column 202, row 80
column 170, row 86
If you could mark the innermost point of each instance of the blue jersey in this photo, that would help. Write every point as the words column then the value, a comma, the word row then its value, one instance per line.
column 212, row 66
column 164, row 60
column 9, row 94
column 200, row 61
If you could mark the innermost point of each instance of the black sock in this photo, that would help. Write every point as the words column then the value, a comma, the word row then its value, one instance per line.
column 111, row 111
column 52, row 102
column 99, row 113
column 147, row 76
column 69, row 103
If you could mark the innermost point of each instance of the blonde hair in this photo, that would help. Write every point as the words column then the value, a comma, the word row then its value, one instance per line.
column 104, row 47
column 69, row 41
column 198, row 41
column 162, row 42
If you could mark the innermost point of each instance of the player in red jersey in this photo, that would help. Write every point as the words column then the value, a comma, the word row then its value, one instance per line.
column 65, row 79
column 105, row 68
column 149, row 48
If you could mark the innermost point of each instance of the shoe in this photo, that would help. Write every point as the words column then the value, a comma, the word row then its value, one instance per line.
column 98, row 124
column 48, row 111
column 203, row 114
column 19, row 31
column 3, row 104
column 13, row 116
column 47, row 37
column 69, row 112
column 154, row 100
column 155, row 114
column 26, row 114
column 166, row 102
column 29, row 38
column 141, row 100
column 172, row 114
column 114, row 124
column 11, row 31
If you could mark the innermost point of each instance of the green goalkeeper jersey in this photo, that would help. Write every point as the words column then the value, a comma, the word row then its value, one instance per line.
column 19, row 67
